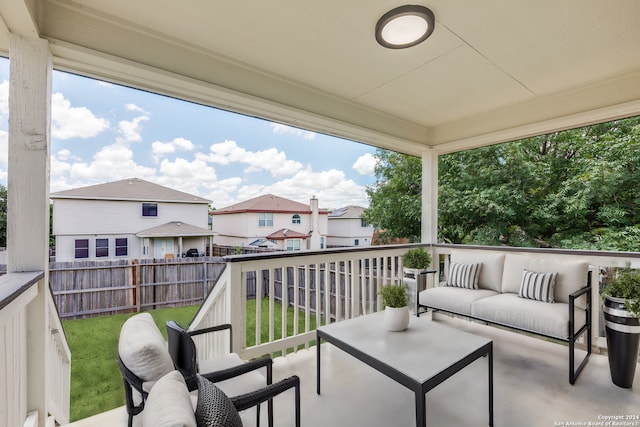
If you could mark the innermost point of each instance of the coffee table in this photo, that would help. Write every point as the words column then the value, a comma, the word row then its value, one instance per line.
column 420, row 358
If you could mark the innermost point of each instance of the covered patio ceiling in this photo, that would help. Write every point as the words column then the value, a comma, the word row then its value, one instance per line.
column 492, row 71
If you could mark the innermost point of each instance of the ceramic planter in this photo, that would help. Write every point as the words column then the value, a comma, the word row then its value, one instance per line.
column 623, row 339
column 396, row 319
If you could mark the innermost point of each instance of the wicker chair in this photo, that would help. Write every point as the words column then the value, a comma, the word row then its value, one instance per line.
column 246, row 377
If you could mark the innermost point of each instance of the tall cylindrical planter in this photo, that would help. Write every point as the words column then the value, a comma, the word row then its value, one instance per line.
column 623, row 340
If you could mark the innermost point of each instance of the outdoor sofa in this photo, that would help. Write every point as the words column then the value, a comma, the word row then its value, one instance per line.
column 541, row 294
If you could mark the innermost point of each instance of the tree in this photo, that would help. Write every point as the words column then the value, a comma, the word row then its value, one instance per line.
column 395, row 198
column 572, row 189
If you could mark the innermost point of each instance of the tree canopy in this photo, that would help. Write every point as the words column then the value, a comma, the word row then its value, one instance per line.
column 572, row 189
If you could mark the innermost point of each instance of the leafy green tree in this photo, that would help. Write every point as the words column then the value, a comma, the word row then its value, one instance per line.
column 572, row 189
column 395, row 198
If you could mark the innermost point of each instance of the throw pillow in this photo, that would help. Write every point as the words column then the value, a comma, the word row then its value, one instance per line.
column 214, row 408
column 538, row 286
column 463, row 275
column 169, row 403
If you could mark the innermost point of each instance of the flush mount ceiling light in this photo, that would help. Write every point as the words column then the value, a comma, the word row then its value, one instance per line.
column 405, row 26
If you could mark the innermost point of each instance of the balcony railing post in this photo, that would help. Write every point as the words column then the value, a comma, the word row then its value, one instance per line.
column 237, row 303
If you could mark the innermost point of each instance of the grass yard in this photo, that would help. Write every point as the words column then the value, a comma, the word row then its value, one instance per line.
column 96, row 383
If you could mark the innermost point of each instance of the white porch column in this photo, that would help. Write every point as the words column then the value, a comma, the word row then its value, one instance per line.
column 28, row 195
column 429, row 197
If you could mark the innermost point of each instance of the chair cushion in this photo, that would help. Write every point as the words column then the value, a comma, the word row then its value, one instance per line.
column 463, row 275
column 142, row 348
column 244, row 383
column 214, row 408
column 492, row 266
column 528, row 315
column 538, row 286
column 457, row 300
column 169, row 403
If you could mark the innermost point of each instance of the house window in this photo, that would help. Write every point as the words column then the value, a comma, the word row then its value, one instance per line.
column 102, row 248
column 265, row 219
column 356, row 242
column 122, row 248
column 82, row 248
column 293, row 245
column 149, row 209
column 363, row 223
column 295, row 219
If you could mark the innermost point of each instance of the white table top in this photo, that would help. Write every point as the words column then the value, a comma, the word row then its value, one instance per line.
column 422, row 351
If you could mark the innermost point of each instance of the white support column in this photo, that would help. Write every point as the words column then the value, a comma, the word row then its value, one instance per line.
column 429, row 197
column 28, row 195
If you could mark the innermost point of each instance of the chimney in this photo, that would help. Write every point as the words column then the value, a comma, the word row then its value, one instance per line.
column 315, row 232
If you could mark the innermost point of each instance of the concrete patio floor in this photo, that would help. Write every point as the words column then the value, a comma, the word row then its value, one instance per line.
column 531, row 388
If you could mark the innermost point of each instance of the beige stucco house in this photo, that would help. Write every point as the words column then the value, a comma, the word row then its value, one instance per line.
column 347, row 228
column 131, row 218
column 273, row 222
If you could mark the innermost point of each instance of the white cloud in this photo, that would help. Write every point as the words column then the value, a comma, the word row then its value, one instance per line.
column 111, row 163
column 365, row 164
column 281, row 129
column 73, row 122
column 66, row 155
column 4, row 148
column 130, row 129
column 160, row 149
column 4, row 99
column 331, row 187
column 134, row 107
column 271, row 160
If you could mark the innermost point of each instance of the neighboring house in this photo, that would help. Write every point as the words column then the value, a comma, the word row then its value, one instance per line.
column 273, row 222
column 347, row 228
column 131, row 218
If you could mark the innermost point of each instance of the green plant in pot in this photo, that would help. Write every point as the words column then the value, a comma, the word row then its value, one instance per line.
column 416, row 259
column 622, row 324
column 395, row 300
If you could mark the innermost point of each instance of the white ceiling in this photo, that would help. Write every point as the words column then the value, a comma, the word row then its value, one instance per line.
column 493, row 70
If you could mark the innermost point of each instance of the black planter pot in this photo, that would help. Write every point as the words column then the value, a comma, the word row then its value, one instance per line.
column 623, row 340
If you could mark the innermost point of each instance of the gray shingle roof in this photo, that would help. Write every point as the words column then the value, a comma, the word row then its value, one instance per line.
column 129, row 189
column 175, row 228
column 267, row 203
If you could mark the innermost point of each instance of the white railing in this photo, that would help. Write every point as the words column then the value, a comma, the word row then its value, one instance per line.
column 326, row 286
column 252, row 288
column 18, row 294
column 58, row 366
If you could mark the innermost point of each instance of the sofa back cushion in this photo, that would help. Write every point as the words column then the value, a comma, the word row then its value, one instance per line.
column 572, row 274
column 492, row 264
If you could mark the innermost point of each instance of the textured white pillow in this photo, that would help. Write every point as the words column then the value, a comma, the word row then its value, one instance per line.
column 169, row 404
column 142, row 348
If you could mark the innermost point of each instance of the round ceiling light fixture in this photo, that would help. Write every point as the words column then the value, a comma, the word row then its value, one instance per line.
column 405, row 26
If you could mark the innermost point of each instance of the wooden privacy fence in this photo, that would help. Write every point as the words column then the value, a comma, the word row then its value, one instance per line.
column 89, row 288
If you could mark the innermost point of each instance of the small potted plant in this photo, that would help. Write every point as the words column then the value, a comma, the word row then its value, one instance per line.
column 415, row 263
column 622, row 324
column 395, row 300
column 416, row 259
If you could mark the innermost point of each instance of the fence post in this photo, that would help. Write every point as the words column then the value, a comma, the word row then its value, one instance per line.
column 136, row 284
column 204, row 279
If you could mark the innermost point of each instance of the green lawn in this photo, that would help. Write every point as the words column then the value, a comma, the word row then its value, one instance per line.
column 96, row 383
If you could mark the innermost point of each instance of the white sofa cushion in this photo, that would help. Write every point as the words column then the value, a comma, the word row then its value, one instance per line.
column 538, row 285
column 463, row 275
column 143, row 350
column 514, row 266
column 529, row 315
column 169, row 403
column 244, row 383
column 457, row 300
column 491, row 270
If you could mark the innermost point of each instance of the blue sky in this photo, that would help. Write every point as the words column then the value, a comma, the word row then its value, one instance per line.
column 103, row 132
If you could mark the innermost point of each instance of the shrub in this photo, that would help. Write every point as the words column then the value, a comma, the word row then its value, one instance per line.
column 394, row 296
